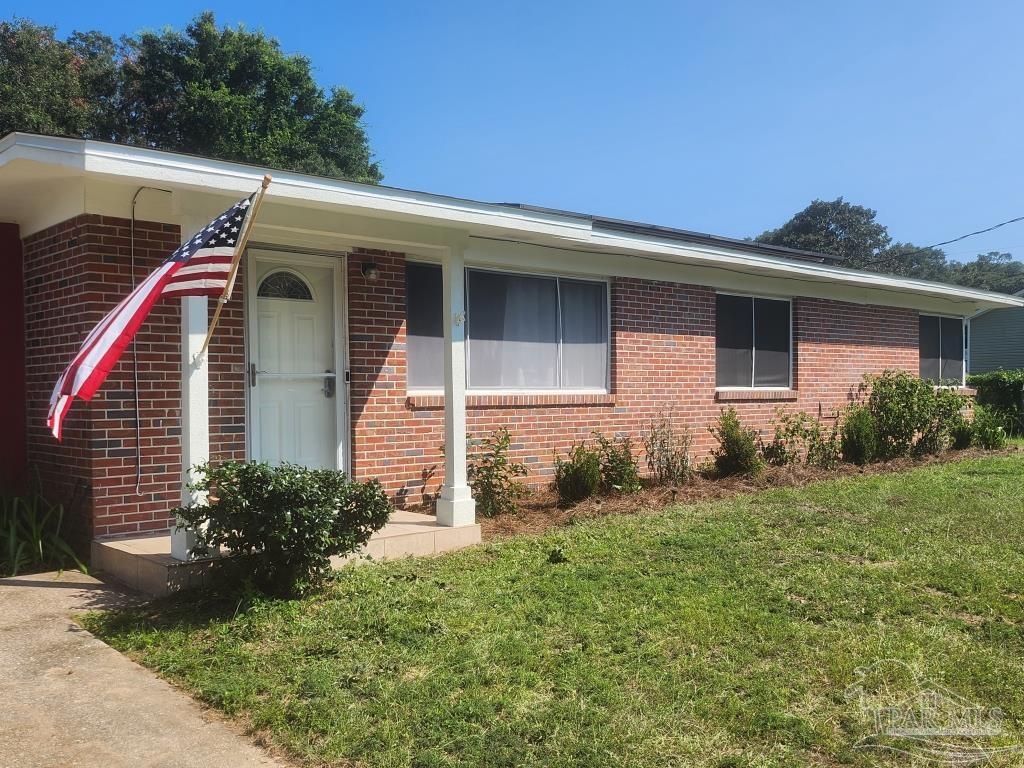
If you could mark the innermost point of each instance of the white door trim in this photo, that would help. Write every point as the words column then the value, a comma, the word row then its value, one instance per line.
column 337, row 264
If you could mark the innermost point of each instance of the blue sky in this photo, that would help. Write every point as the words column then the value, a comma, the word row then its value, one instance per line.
column 723, row 117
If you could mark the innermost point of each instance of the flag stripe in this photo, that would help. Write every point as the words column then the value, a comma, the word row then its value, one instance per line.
column 136, row 309
column 199, row 267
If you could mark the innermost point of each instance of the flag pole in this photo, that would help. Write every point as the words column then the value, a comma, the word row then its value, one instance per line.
column 235, row 261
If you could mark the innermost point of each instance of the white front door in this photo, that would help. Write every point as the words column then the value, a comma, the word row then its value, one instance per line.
column 293, row 371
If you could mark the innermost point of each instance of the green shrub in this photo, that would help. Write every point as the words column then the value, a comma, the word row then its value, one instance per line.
column 962, row 434
column 579, row 476
column 737, row 452
column 801, row 437
column 30, row 535
column 619, row 471
column 902, row 406
column 824, row 447
column 1002, row 392
column 788, row 444
column 667, row 451
column 858, row 441
column 988, row 428
column 281, row 525
column 492, row 476
column 947, row 408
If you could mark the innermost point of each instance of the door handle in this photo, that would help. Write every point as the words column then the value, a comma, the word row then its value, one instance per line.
column 329, row 384
column 252, row 374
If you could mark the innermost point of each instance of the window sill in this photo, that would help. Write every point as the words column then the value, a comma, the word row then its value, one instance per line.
column 755, row 394
column 963, row 390
column 435, row 401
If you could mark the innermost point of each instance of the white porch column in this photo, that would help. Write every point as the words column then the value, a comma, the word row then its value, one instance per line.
column 195, row 402
column 455, row 505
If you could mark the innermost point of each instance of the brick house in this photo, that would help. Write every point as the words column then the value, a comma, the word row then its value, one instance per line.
column 372, row 325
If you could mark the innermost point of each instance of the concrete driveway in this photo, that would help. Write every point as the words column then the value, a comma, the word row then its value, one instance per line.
column 66, row 699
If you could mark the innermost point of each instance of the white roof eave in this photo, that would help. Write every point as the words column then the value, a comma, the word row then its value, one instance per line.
column 545, row 228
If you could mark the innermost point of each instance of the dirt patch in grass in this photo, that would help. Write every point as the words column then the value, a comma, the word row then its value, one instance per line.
column 539, row 510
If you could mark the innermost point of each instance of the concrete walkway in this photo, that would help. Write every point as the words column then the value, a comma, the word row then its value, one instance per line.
column 66, row 699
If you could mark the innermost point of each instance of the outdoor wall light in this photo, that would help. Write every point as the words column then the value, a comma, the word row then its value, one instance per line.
column 370, row 271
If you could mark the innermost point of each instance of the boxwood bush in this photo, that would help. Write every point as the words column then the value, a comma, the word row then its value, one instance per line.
column 282, row 524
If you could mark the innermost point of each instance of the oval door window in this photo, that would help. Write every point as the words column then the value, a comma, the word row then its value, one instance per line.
column 284, row 285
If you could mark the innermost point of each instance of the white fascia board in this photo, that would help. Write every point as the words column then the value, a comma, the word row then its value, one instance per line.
column 366, row 199
column 49, row 150
column 757, row 264
column 554, row 230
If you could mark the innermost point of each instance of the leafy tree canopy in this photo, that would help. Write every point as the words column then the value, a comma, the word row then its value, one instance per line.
column 837, row 227
column 227, row 93
column 843, row 229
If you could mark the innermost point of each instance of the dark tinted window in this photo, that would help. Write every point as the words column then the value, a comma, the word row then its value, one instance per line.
column 424, row 329
column 928, row 347
column 734, row 340
column 951, row 339
column 771, row 343
column 751, row 342
column 941, row 349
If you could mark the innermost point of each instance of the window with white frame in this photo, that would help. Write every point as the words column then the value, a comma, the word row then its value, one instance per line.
column 941, row 349
column 752, row 342
column 523, row 332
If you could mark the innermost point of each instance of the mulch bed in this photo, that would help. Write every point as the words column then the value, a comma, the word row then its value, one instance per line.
column 539, row 510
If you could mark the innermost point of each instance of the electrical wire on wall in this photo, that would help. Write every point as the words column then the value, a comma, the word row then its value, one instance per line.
column 135, row 354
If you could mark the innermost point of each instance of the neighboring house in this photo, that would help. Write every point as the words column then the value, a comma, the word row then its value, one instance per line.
column 373, row 325
column 996, row 339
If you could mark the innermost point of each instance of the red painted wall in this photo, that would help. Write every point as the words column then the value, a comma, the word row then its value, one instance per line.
column 12, row 352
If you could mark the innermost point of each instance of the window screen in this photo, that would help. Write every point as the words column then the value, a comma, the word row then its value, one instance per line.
column 584, row 314
column 752, row 340
column 513, row 331
column 771, row 343
column 951, row 341
column 941, row 349
column 928, row 348
column 523, row 332
column 424, row 328
column 734, row 340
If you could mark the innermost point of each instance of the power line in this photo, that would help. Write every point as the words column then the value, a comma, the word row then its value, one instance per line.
column 954, row 240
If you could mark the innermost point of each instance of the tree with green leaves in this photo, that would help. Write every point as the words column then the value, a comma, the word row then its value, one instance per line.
column 992, row 271
column 40, row 86
column 834, row 227
column 851, row 231
column 228, row 93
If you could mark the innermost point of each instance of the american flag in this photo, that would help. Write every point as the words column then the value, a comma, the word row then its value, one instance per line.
column 200, row 267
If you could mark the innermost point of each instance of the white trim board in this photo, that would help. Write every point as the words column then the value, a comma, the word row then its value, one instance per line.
column 442, row 218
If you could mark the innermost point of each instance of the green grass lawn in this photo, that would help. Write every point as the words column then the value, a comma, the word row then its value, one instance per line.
column 721, row 634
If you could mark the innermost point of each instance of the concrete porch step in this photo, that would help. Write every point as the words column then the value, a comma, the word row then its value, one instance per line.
column 144, row 563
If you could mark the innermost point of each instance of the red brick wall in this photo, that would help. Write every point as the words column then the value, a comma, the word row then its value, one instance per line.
column 662, row 338
column 663, row 361
column 75, row 272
